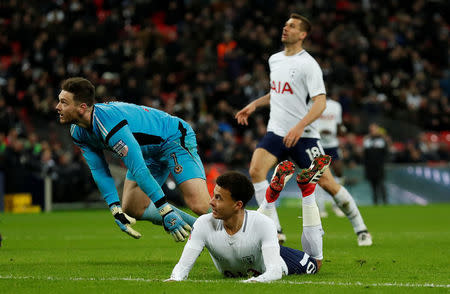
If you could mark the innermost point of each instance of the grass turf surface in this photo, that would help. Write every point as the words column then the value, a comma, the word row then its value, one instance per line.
column 84, row 251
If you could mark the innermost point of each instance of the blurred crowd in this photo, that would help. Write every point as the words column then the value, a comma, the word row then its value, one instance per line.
column 26, row 161
column 203, row 60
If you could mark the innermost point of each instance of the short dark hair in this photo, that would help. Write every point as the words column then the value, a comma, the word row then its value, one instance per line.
column 238, row 184
column 82, row 89
column 305, row 25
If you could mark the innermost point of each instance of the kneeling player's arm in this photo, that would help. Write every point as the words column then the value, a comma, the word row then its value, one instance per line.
column 181, row 271
column 270, row 252
column 191, row 251
column 271, row 256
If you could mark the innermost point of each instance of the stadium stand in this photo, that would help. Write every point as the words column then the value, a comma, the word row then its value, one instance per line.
column 384, row 61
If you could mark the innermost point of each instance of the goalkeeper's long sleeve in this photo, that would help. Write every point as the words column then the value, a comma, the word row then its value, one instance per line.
column 100, row 172
column 133, row 160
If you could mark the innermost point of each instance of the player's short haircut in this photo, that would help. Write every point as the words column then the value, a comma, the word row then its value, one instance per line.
column 238, row 184
column 83, row 91
column 305, row 25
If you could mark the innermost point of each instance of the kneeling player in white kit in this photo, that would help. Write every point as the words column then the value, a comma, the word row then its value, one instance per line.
column 244, row 243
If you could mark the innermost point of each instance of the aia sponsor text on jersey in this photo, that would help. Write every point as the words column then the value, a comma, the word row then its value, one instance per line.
column 328, row 117
column 281, row 87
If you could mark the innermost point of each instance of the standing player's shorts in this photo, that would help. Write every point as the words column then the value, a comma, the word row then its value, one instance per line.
column 298, row 262
column 334, row 152
column 302, row 153
column 178, row 157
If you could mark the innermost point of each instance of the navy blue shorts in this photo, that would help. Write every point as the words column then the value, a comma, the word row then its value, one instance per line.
column 302, row 153
column 334, row 152
column 298, row 262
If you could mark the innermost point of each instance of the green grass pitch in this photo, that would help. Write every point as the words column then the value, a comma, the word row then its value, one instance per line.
column 85, row 252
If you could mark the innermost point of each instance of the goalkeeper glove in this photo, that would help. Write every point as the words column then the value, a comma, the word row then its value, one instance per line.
column 124, row 221
column 173, row 223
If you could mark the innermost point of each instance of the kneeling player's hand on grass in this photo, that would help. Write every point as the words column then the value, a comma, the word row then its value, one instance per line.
column 124, row 221
column 251, row 280
column 173, row 223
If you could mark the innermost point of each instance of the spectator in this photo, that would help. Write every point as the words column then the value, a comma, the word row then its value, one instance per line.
column 195, row 60
column 375, row 156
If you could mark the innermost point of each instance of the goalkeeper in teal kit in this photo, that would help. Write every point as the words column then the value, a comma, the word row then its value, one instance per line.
column 151, row 144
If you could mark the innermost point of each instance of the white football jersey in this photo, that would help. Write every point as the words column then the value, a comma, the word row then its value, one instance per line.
column 294, row 80
column 238, row 255
column 328, row 122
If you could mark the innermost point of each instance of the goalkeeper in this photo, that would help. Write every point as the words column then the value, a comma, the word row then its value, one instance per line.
column 151, row 144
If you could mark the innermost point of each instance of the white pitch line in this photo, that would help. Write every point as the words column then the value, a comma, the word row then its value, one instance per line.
column 406, row 285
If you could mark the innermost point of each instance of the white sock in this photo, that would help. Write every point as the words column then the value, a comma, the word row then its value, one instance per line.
column 348, row 206
column 312, row 243
column 260, row 191
column 312, row 228
column 310, row 200
column 321, row 197
column 268, row 209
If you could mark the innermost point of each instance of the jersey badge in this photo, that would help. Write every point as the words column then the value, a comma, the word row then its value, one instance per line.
column 250, row 259
column 120, row 148
column 292, row 72
column 178, row 168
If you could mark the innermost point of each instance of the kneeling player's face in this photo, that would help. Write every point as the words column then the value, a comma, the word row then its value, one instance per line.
column 223, row 206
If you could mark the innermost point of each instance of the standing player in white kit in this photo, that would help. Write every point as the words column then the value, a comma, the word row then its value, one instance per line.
column 297, row 98
column 329, row 125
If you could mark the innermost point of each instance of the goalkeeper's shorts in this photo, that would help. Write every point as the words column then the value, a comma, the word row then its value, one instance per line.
column 178, row 157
